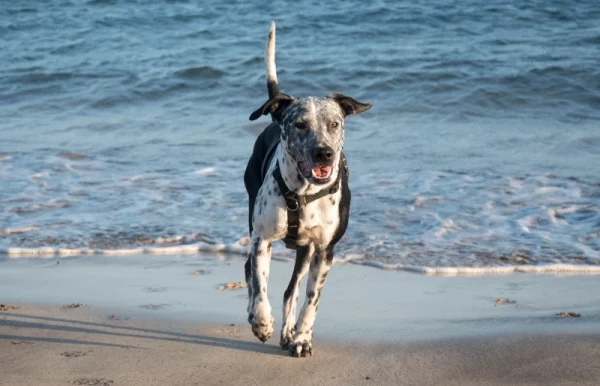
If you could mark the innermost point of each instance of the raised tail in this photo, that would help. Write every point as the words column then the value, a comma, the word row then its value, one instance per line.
column 272, row 85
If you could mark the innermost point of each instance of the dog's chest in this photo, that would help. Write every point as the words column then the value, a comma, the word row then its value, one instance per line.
column 319, row 220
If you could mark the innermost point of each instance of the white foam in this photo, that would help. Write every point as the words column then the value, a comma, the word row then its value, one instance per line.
column 450, row 271
column 204, row 171
column 4, row 158
column 447, row 226
column 174, row 250
column 238, row 248
column 16, row 231
column 113, row 252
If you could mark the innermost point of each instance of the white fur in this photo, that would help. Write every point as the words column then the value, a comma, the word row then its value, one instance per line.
column 271, row 68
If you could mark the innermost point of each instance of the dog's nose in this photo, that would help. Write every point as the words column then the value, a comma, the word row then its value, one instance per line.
column 324, row 154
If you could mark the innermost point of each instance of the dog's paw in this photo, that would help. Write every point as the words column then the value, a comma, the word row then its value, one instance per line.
column 300, row 348
column 287, row 334
column 262, row 327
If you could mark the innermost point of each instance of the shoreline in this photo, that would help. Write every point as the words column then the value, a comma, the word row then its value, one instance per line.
column 239, row 249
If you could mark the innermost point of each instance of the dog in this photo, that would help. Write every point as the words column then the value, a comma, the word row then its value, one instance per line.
column 297, row 184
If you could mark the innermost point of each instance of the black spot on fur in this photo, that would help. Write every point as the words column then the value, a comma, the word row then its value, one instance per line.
column 333, row 202
column 310, row 294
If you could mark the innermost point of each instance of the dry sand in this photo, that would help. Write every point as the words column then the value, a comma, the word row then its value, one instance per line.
column 151, row 321
column 54, row 346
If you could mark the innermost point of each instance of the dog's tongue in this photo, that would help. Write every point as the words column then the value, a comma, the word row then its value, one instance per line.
column 322, row 172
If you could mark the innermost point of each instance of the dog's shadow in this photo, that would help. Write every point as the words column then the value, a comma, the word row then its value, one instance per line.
column 23, row 322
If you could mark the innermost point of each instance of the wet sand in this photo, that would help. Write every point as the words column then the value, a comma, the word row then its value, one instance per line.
column 152, row 321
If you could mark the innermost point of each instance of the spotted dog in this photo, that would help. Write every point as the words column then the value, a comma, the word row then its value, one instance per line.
column 297, row 183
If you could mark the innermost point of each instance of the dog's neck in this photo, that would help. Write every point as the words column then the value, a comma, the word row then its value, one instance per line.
column 294, row 179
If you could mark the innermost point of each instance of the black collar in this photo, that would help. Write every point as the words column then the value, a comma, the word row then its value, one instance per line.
column 293, row 201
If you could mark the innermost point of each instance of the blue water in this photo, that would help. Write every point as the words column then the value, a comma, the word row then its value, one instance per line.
column 124, row 124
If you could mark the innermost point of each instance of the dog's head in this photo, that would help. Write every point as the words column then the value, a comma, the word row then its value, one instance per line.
column 312, row 130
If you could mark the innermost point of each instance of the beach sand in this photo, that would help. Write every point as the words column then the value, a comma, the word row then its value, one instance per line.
column 155, row 321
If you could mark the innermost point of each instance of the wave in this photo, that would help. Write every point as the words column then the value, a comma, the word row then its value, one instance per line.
column 204, row 72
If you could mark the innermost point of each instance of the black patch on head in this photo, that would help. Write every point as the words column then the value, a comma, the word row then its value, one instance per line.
column 274, row 106
column 349, row 105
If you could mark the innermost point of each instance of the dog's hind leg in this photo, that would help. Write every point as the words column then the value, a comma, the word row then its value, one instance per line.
column 320, row 265
column 290, row 297
column 260, row 316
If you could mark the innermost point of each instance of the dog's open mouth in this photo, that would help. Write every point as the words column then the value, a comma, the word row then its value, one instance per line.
column 320, row 174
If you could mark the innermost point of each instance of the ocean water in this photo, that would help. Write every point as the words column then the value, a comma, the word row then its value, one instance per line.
column 124, row 126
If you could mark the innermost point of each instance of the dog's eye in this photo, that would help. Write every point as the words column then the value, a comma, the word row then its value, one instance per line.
column 300, row 126
column 334, row 125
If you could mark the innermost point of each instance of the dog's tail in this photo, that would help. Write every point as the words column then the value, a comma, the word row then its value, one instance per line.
column 272, row 85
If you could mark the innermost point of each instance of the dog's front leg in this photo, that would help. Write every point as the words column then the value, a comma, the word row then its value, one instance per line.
column 320, row 265
column 260, row 316
column 290, row 297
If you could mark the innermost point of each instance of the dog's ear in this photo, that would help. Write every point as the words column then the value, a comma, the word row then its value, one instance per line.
column 273, row 106
column 349, row 105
